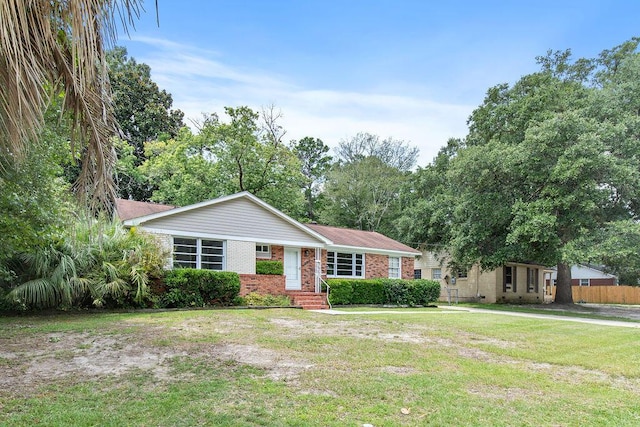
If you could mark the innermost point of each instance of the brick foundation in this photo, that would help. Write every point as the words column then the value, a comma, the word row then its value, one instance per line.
column 262, row 284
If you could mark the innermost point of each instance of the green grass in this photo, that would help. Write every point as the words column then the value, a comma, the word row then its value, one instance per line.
column 586, row 314
column 297, row 368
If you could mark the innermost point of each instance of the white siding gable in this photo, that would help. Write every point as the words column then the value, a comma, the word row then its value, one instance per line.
column 234, row 219
column 429, row 260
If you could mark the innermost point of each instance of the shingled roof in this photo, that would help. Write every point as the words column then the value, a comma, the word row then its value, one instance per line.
column 127, row 209
column 360, row 239
column 335, row 236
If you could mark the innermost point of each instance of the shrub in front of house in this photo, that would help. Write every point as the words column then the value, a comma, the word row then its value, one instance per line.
column 367, row 291
column 255, row 299
column 340, row 291
column 383, row 291
column 397, row 292
column 424, row 292
column 275, row 268
column 187, row 287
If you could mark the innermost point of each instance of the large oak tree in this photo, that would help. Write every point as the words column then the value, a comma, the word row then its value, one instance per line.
column 548, row 163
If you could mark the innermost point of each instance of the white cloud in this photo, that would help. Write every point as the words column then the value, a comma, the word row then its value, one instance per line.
column 200, row 82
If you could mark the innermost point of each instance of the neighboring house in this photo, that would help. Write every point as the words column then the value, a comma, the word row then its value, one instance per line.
column 584, row 275
column 230, row 233
column 514, row 282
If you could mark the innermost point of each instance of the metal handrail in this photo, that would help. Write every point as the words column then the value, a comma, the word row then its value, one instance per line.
column 328, row 289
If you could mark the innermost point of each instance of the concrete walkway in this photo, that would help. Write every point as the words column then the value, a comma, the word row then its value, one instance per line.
column 452, row 309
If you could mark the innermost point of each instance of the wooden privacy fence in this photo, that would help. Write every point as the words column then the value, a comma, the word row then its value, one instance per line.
column 606, row 294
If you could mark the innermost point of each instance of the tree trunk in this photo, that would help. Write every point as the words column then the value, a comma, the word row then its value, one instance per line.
column 563, row 284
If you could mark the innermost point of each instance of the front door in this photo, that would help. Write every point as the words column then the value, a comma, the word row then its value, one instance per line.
column 292, row 269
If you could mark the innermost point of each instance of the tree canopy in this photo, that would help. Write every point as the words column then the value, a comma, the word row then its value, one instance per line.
column 56, row 46
column 395, row 153
column 244, row 154
column 547, row 163
column 141, row 108
column 312, row 154
column 143, row 113
column 364, row 188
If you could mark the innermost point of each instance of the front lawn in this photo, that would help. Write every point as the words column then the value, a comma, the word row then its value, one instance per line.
column 286, row 367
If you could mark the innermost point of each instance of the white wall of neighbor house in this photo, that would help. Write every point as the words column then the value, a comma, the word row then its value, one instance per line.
column 241, row 257
column 426, row 262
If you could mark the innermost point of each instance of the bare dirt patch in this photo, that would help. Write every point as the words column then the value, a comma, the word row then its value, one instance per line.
column 278, row 366
column 29, row 361
column 44, row 358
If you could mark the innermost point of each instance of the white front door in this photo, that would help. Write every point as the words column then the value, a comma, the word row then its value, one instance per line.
column 292, row 269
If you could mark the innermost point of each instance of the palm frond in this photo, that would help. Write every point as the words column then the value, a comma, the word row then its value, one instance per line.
column 52, row 45
column 38, row 292
column 80, row 286
column 114, row 288
column 110, row 271
column 140, row 281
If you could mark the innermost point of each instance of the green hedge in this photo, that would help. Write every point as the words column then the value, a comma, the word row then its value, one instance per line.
column 383, row 291
column 270, row 267
column 187, row 287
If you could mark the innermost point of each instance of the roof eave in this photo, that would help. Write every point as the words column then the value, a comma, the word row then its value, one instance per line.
column 381, row 251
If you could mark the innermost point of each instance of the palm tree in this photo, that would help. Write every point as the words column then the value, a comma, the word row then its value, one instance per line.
column 48, row 46
column 99, row 262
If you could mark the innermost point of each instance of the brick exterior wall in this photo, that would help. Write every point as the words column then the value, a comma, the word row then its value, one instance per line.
column 277, row 253
column 262, row 284
column 307, row 272
column 408, row 265
column 308, row 269
column 376, row 266
column 596, row 282
column 323, row 264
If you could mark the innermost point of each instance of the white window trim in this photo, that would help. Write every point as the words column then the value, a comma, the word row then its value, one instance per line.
column 263, row 254
column 433, row 275
column 353, row 255
column 199, row 251
column 532, row 280
column 588, row 282
column 399, row 268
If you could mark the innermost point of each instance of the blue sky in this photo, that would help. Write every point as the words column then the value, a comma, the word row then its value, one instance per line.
column 411, row 70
